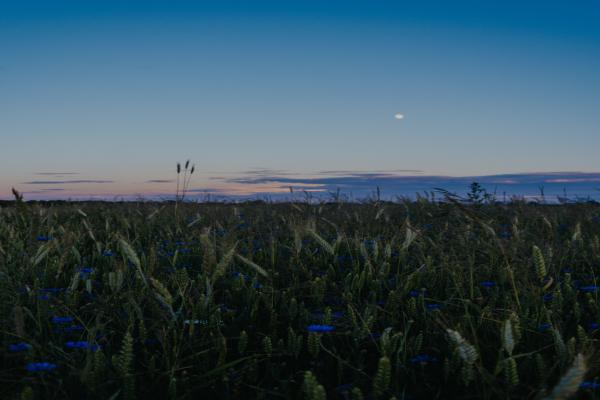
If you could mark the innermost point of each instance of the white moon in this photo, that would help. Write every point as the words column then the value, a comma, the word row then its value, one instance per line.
column 399, row 116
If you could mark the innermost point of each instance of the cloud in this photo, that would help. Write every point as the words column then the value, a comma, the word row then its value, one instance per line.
column 268, row 172
column 362, row 184
column 56, row 173
column 64, row 182
column 572, row 180
column 357, row 173
column 160, row 181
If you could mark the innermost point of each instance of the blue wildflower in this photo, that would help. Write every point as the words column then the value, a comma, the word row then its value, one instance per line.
column 589, row 289
column 504, row 235
column 370, row 244
column 19, row 347
column 82, row 345
column 43, row 238
column 487, row 284
column 40, row 366
column 417, row 293
column 548, row 297
column 433, row 306
column 423, row 359
column 84, row 272
column 62, row 320
column 589, row 385
column 52, row 290
column 320, row 328
column 544, row 327
column 592, row 326
column 107, row 253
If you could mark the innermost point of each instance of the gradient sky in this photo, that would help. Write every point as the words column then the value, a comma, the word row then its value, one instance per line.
column 115, row 92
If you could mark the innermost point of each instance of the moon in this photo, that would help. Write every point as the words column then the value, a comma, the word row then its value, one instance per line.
column 399, row 116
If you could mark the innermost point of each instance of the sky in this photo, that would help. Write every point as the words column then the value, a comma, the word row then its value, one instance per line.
column 100, row 99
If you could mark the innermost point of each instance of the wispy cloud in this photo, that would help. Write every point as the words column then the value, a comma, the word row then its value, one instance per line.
column 65, row 182
column 572, row 180
column 268, row 172
column 376, row 172
column 57, row 174
column 160, row 181
column 364, row 183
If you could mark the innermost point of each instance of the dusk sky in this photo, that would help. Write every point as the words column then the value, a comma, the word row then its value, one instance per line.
column 102, row 98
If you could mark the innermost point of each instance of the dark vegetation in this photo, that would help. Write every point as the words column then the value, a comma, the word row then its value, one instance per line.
column 412, row 300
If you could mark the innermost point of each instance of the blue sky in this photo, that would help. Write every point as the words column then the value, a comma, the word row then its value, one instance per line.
column 116, row 92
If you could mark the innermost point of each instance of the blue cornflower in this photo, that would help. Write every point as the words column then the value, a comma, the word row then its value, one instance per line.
column 40, row 366
column 589, row 385
column 43, row 238
column 62, row 320
column 82, row 345
column 73, row 328
column 487, row 284
column 320, row 328
column 433, row 306
column 107, row 253
column 84, row 272
column 504, row 235
column 592, row 326
column 417, row 293
column 220, row 232
column 237, row 274
column 337, row 314
column 19, row 347
column 52, row 290
column 423, row 359
column 548, row 297
column 544, row 327
column 369, row 243
column 589, row 289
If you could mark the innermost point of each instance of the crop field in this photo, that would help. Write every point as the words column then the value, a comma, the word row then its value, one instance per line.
column 373, row 300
